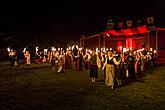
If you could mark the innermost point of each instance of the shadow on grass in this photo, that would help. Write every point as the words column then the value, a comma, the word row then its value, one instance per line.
column 139, row 77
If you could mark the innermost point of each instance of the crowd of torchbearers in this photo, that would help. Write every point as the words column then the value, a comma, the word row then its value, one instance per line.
column 118, row 66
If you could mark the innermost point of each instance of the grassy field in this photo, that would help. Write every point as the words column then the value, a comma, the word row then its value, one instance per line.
column 35, row 87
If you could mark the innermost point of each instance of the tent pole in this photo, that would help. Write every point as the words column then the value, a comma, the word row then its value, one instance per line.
column 148, row 40
column 156, row 43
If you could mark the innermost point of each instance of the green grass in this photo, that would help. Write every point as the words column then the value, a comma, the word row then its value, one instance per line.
column 35, row 87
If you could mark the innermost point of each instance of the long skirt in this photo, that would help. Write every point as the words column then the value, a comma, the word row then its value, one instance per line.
column 123, row 73
column 136, row 67
column 86, row 65
column 93, row 71
column 68, row 64
column 110, row 75
column 131, row 71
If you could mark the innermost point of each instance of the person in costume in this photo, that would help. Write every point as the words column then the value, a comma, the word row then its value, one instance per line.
column 149, row 60
column 27, row 57
column 94, row 66
column 145, row 62
column 117, row 68
column 87, row 57
column 122, row 68
column 80, row 61
column 68, row 60
column 99, row 63
column 103, row 59
column 44, row 59
column 61, row 61
column 110, row 70
column 49, row 57
column 57, row 61
column 37, row 57
column 131, row 66
column 75, row 55
column 153, row 58
column 15, row 58
column 12, row 57
column 137, row 62
column 54, row 61
column 141, row 62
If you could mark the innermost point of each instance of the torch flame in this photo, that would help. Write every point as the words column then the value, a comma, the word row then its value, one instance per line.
column 24, row 50
column 8, row 49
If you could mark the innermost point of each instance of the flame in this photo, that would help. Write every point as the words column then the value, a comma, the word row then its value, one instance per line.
column 73, row 47
column 46, row 50
column 124, row 49
column 151, row 49
column 53, row 49
column 90, row 51
column 24, row 49
column 77, row 46
column 154, row 51
column 80, row 48
column 36, row 49
column 8, row 49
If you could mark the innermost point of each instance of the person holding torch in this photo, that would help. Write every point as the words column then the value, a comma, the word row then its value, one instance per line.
column 110, row 69
column 27, row 56
column 94, row 66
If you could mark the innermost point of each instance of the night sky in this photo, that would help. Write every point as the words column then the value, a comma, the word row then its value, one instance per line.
column 68, row 20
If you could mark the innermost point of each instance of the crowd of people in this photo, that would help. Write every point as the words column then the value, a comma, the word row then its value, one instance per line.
column 118, row 66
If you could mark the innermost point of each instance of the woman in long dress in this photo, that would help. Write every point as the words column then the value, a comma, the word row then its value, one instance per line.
column 137, row 60
column 131, row 66
column 122, row 68
column 68, row 60
column 110, row 72
column 87, row 57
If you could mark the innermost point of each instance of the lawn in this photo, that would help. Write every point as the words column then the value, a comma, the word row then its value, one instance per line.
column 36, row 87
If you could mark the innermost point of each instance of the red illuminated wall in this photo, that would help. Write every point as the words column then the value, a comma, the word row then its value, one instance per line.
column 129, row 43
column 161, row 40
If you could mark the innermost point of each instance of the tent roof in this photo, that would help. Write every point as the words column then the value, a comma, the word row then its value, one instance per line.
column 129, row 31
